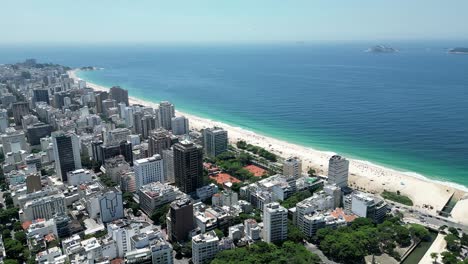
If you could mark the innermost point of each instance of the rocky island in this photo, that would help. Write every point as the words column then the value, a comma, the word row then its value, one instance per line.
column 458, row 51
column 381, row 49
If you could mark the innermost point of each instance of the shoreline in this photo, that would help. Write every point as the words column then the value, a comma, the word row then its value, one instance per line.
column 363, row 174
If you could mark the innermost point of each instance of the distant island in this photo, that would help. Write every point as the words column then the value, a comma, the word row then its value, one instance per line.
column 88, row 68
column 458, row 51
column 381, row 49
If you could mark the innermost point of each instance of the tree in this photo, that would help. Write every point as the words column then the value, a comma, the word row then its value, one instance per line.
column 263, row 252
column 420, row 232
column 13, row 248
column 311, row 172
column 434, row 256
column 159, row 215
column 17, row 226
column 21, row 237
column 453, row 243
column 453, row 230
column 219, row 233
column 449, row 258
column 10, row 261
column 294, row 233
column 6, row 233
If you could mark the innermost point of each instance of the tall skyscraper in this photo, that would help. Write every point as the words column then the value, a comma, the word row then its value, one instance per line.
column 166, row 113
column 275, row 222
column 338, row 170
column 180, row 125
column 137, row 116
column 168, row 157
column 100, row 96
column 292, row 167
column 148, row 170
column 180, row 220
column 19, row 109
column 67, row 153
column 118, row 94
column 148, row 123
column 159, row 140
column 41, row 95
column 188, row 166
column 215, row 141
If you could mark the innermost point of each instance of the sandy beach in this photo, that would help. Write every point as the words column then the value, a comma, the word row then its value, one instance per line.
column 363, row 175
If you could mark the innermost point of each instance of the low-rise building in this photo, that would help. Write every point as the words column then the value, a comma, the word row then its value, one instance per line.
column 204, row 247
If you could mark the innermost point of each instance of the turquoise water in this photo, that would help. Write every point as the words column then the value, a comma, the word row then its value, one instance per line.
column 407, row 110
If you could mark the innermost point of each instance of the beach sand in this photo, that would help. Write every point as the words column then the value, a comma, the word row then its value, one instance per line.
column 363, row 175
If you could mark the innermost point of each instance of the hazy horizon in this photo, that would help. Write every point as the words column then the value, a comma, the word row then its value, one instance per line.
column 237, row 22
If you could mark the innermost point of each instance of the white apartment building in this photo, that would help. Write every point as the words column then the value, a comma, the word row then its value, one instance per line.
column 148, row 170
column 45, row 207
column 204, row 247
column 275, row 223
column 79, row 176
column 338, row 170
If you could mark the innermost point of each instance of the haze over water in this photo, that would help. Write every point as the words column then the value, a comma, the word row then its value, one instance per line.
column 407, row 110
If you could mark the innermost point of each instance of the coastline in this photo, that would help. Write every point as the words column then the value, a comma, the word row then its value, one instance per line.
column 363, row 174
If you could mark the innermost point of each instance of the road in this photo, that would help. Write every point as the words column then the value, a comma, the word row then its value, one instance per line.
column 412, row 215
column 313, row 248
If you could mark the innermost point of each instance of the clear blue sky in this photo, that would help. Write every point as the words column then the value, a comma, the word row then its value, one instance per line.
column 96, row 21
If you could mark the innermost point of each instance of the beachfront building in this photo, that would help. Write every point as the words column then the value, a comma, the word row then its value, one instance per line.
column 338, row 170
column 188, row 166
column 275, row 222
column 166, row 113
column 292, row 167
column 180, row 125
column 119, row 95
column 215, row 141
column 148, row 170
column 365, row 205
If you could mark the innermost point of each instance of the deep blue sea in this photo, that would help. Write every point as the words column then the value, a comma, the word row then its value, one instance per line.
column 407, row 110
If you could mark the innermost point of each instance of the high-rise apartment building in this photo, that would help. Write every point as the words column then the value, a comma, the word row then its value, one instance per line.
column 215, row 141
column 166, row 113
column 41, row 95
column 180, row 220
column 119, row 95
column 67, row 153
column 180, row 125
column 19, row 110
column 168, row 158
column 292, row 167
column 188, row 166
column 275, row 222
column 37, row 131
column 100, row 96
column 148, row 170
column 158, row 141
column 338, row 170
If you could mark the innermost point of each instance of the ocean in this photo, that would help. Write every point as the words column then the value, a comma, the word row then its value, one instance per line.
column 407, row 110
